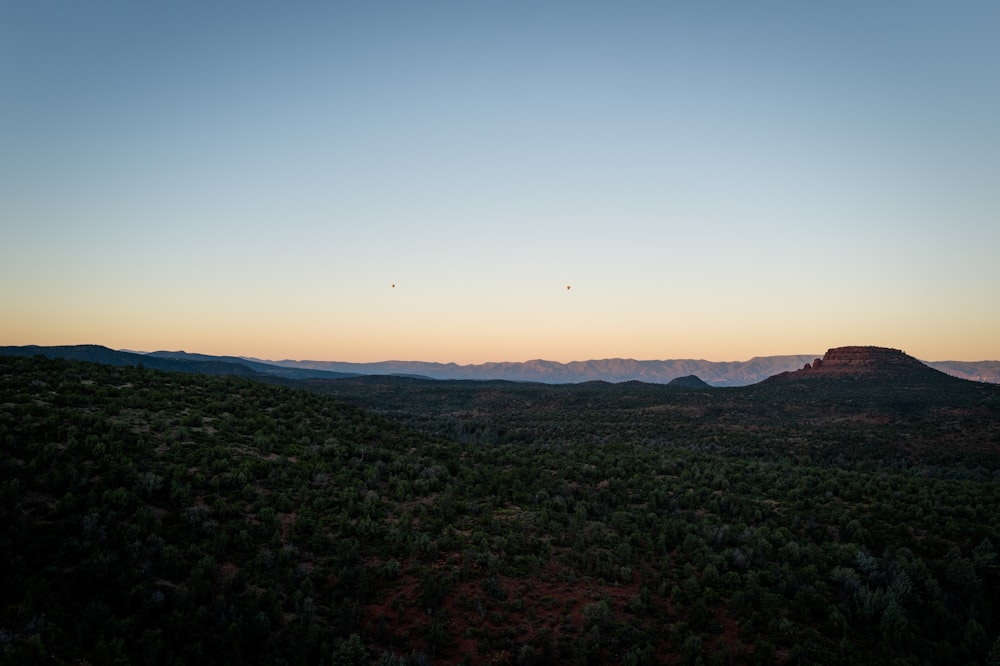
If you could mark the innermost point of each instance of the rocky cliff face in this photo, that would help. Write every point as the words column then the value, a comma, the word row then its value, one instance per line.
column 862, row 362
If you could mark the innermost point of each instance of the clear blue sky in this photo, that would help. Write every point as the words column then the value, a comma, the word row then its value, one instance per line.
column 713, row 179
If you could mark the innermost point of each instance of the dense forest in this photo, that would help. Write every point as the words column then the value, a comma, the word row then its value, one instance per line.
column 155, row 517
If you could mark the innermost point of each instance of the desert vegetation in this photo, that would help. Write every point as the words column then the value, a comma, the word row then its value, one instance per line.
column 164, row 518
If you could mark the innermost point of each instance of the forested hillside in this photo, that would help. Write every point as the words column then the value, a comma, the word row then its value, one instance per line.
column 164, row 518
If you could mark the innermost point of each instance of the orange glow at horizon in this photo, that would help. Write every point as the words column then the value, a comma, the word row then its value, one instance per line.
column 464, row 343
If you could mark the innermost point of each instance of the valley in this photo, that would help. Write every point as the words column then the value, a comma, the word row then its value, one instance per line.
column 166, row 517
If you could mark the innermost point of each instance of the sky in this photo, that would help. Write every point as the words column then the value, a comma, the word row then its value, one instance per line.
column 423, row 180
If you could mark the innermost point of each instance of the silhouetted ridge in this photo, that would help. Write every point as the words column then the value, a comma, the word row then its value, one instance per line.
column 689, row 381
column 106, row 356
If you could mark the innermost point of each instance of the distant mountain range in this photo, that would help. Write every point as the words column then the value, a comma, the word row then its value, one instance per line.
column 977, row 371
column 730, row 373
column 714, row 373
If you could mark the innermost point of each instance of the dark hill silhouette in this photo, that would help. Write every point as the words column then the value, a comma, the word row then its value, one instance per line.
column 689, row 381
column 106, row 356
column 257, row 366
column 177, row 361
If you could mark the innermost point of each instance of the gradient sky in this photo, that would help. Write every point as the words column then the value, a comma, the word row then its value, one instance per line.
column 715, row 180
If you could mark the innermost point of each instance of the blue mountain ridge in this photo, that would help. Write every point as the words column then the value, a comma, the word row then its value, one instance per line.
column 713, row 373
